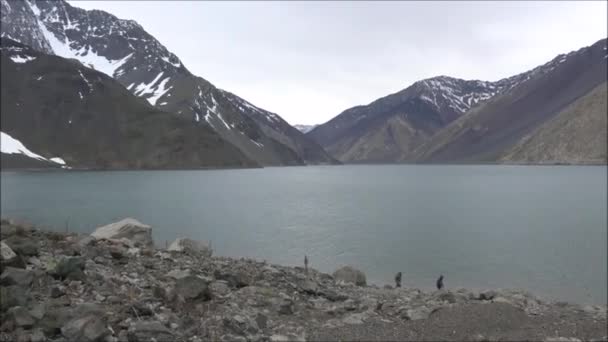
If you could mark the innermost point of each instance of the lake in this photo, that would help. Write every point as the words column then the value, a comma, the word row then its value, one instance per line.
column 539, row 228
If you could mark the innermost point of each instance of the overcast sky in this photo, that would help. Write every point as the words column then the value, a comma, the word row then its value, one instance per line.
column 309, row 61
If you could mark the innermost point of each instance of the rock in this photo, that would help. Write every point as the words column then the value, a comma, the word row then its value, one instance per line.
column 388, row 287
column 11, row 296
column 129, row 229
column 487, row 295
column 240, row 325
column 118, row 252
column 37, row 335
column 356, row 318
column 9, row 258
column 20, row 317
column 190, row 247
column 90, row 329
column 54, row 319
column 87, row 241
column 69, row 268
column 178, row 274
column 143, row 309
column 147, row 331
column 22, row 246
column 350, row 305
column 333, row 296
column 446, row 296
column 348, row 274
column 416, row 314
column 192, row 287
column 237, row 279
column 38, row 311
column 220, row 288
column 308, row 286
column 286, row 307
column 262, row 321
column 16, row 276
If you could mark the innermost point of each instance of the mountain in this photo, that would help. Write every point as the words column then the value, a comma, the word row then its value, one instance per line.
column 122, row 49
column 404, row 126
column 487, row 132
column 392, row 126
column 577, row 135
column 305, row 128
column 55, row 110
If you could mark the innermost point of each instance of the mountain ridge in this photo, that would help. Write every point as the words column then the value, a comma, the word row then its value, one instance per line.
column 58, row 108
column 125, row 51
column 390, row 128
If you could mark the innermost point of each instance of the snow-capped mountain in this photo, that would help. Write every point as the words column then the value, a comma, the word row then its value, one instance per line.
column 305, row 128
column 56, row 112
column 390, row 128
column 122, row 49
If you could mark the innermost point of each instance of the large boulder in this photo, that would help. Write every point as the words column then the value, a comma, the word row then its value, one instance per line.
column 348, row 274
column 69, row 268
column 9, row 258
column 129, row 229
column 22, row 246
column 190, row 247
column 11, row 296
column 16, row 276
column 192, row 287
column 91, row 328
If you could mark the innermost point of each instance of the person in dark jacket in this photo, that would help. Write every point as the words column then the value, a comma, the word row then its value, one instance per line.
column 440, row 282
column 398, row 279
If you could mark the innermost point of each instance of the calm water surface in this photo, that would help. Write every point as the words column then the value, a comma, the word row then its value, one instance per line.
column 541, row 228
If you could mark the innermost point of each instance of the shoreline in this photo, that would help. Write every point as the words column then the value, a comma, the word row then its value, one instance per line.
column 127, row 289
column 70, row 169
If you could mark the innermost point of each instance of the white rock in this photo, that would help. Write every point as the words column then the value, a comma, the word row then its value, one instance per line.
column 129, row 229
column 191, row 247
column 6, row 253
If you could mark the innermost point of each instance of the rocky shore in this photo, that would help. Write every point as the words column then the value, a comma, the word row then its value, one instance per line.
column 114, row 285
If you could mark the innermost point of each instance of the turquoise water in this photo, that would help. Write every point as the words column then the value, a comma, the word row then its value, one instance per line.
column 539, row 228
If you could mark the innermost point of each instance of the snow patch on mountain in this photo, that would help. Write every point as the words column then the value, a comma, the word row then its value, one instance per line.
column 160, row 91
column 10, row 145
column 86, row 55
column 22, row 58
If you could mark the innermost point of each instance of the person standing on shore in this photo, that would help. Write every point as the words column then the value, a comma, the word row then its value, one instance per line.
column 440, row 282
column 398, row 279
column 306, row 264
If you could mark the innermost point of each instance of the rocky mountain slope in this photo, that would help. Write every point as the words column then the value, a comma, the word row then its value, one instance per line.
column 59, row 110
column 390, row 129
column 577, row 135
column 485, row 133
column 67, row 287
column 122, row 49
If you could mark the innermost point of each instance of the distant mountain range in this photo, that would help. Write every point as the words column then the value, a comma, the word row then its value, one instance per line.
column 85, row 89
column 123, row 50
column 305, row 128
column 449, row 120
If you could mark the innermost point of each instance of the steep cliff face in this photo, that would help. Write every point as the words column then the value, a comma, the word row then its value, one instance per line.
column 122, row 49
column 58, row 108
